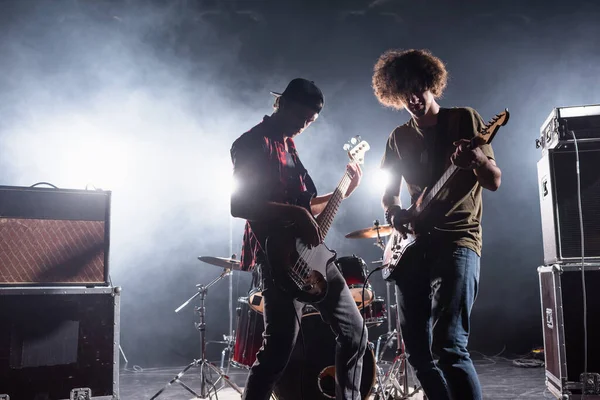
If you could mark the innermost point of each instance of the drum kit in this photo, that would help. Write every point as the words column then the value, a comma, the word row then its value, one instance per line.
column 318, row 371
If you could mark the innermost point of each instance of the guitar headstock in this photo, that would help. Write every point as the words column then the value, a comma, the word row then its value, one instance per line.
column 491, row 128
column 356, row 148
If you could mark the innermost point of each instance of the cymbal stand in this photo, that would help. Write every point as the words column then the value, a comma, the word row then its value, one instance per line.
column 389, row 335
column 205, row 366
column 229, row 339
column 392, row 385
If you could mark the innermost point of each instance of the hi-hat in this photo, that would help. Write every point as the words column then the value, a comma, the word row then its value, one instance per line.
column 222, row 262
column 371, row 233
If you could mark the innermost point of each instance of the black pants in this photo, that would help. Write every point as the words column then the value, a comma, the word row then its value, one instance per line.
column 282, row 315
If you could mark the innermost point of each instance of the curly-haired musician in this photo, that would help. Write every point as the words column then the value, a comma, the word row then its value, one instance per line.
column 439, row 285
column 272, row 184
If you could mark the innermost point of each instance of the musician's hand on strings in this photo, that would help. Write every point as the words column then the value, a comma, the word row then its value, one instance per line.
column 399, row 217
column 355, row 173
column 308, row 229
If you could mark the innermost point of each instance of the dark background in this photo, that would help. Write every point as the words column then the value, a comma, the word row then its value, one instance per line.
column 144, row 98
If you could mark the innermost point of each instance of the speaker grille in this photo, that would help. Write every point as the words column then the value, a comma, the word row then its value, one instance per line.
column 50, row 251
column 572, row 296
column 565, row 187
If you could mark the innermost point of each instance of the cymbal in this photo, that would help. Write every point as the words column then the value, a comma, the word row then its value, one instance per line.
column 222, row 262
column 371, row 233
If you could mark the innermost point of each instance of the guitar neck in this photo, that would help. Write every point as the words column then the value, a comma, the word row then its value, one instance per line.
column 325, row 219
column 435, row 190
column 444, row 179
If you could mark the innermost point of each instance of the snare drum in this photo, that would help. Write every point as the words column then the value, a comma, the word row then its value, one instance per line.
column 375, row 313
column 354, row 270
column 248, row 336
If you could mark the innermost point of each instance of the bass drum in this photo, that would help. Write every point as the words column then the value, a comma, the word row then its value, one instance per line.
column 310, row 373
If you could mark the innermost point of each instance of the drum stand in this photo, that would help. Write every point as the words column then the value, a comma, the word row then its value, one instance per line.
column 228, row 340
column 206, row 368
column 393, row 384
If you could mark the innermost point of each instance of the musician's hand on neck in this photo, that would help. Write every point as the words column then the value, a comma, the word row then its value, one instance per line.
column 355, row 173
column 467, row 158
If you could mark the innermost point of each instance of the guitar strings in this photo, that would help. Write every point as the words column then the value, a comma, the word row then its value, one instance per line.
column 300, row 268
column 343, row 184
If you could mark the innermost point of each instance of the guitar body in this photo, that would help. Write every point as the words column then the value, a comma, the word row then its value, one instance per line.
column 399, row 251
column 296, row 269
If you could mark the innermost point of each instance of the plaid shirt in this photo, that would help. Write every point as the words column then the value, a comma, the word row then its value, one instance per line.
column 262, row 172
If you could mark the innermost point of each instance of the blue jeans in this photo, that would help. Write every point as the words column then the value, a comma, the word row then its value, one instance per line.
column 437, row 293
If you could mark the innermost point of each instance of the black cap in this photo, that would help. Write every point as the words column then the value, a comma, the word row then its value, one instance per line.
column 304, row 92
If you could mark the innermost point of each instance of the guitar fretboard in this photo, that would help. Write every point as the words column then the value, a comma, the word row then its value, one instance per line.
column 430, row 196
column 325, row 219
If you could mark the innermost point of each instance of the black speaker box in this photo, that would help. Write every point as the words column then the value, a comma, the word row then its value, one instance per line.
column 57, row 342
column 561, row 293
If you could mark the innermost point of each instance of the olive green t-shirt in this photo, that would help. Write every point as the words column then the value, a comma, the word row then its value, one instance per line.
column 422, row 155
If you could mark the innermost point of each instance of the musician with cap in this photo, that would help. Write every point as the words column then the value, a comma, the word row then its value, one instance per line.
column 271, row 183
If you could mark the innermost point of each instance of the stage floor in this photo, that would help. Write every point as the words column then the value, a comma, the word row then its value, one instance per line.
column 500, row 380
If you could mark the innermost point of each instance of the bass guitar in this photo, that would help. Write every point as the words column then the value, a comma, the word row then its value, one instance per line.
column 302, row 270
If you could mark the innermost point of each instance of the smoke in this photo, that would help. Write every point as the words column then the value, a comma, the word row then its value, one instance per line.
column 142, row 99
column 126, row 98
column 145, row 98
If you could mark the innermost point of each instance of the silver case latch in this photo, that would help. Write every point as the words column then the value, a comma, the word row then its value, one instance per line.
column 590, row 382
column 81, row 394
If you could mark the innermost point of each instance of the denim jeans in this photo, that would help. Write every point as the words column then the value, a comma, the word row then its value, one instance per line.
column 281, row 316
column 437, row 293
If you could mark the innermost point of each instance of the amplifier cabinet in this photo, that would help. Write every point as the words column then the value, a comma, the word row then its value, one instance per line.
column 54, row 237
column 563, row 329
column 557, row 178
column 54, row 341
column 584, row 121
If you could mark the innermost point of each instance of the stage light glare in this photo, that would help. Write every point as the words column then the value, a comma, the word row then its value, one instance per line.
column 381, row 179
column 224, row 183
column 233, row 184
